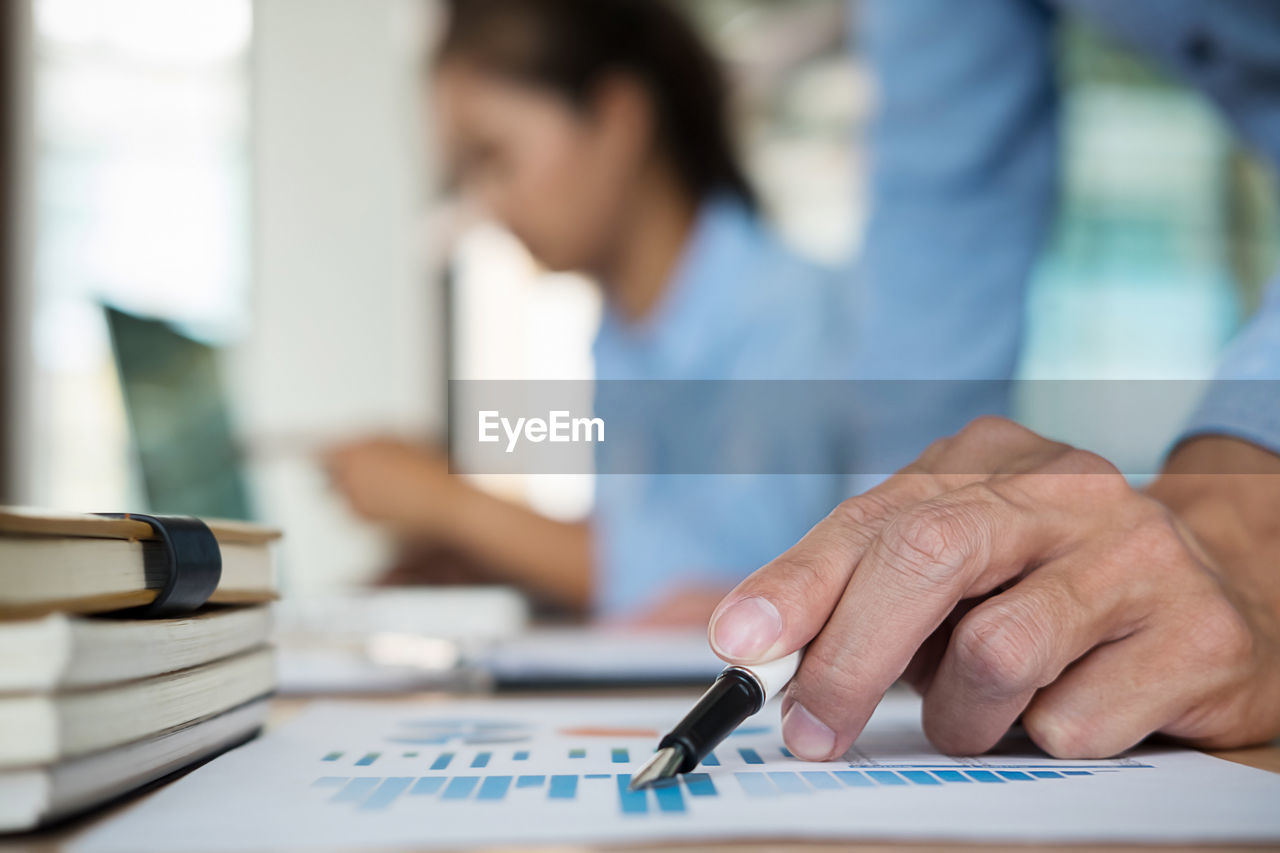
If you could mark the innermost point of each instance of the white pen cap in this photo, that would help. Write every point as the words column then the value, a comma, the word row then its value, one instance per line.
column 774, row 675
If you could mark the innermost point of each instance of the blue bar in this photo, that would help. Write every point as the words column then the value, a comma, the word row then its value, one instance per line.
column 1046, row 774
column 1076, row 773
column 426, row 785
column 443, row 761
column 578, row 752
column 481, row 759
column 563, row 787
column 886, row 777
column 700, row 785
column 711, row 760
column 460, row 787
column 330, row 782
column 391, row 788
column 521, row 755
column 786, row 753
column 983, row 776
column 756, row 784
column 368, row 759
column 356, row 790
column 920, row 777
column 853, row 778
column 820, row 780
column 951, row 776
column 531, row 781
column 595, row 776
column 750, row 756
column 670, row 797
column 1015, row 776
column 494, row 788
column 333, row 756
column 633, row 802
column 621, row 756
column 788, row 783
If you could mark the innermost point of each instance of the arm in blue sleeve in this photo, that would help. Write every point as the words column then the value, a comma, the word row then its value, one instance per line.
column 963, row 185
column 1243, row 401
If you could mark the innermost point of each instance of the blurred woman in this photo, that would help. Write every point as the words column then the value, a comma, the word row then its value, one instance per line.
column 598, row 132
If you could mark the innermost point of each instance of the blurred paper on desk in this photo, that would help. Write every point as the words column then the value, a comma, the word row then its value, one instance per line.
column 598, row 657
column 390, row 640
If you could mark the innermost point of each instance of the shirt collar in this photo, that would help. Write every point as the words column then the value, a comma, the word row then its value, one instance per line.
column 704, row 287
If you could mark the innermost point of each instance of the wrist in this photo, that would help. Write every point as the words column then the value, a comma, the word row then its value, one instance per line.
column 1224, row 492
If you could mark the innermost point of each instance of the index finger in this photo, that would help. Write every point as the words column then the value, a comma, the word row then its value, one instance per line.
column 782, row 606
column 923, row 563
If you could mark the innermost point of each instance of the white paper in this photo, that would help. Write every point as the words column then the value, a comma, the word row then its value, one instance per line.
column 368, row 775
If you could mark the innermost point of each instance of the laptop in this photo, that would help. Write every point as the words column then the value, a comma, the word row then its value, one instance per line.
column 176, row 405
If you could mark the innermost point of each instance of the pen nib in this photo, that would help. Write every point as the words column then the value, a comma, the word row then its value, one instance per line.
column 664, row 764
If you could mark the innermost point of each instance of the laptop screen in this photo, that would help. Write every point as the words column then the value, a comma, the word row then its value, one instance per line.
column 179, row 419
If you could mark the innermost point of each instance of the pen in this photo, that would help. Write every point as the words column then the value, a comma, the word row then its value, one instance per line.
column 737, row 693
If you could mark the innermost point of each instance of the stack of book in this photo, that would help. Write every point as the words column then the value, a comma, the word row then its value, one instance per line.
column 94, row 701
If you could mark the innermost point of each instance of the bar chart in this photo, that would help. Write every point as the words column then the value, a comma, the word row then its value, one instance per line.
column 757, row 772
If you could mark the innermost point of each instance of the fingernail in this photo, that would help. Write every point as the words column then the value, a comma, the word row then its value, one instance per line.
column 806, row 736
column 746, row 629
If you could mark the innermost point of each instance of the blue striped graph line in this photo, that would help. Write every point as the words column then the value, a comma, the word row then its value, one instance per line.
column 376, row 793
column 987, row 765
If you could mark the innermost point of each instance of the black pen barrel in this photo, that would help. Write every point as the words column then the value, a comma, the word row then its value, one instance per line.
column 733, row 697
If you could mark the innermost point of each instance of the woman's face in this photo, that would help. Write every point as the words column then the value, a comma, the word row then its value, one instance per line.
column 556, row 176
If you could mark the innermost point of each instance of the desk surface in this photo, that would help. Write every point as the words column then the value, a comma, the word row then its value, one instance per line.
column 282, row 710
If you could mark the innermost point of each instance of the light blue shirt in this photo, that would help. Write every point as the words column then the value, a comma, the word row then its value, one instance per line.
column 740, row 306
column 965, row 171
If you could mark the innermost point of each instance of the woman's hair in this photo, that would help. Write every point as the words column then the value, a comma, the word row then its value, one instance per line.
column 571, row 46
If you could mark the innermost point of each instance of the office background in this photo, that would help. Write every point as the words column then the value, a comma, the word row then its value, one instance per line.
column 262, row 174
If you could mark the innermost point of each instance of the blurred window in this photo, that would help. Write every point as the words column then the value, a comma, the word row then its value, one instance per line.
column 1165, row 236
column 142, row 201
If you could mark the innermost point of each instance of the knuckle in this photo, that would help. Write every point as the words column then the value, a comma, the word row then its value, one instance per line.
column 928, row 543
column 937, row 449
column 920, row 546
column 1155, row 540
column 988, row 427
column 1102, row 474
column 1221, row 636
column 861, row 511
column 996, row 651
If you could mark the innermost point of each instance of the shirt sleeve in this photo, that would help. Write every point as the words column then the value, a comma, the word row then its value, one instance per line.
column 1243, row 401
column 964, row 164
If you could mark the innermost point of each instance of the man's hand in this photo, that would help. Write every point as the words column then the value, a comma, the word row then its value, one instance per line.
column 403, row 486
column 1007, row 576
